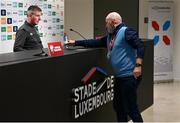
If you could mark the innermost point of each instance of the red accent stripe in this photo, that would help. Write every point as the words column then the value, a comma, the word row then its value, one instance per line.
column 155, row 25
column 166, row 40
column 88, row 76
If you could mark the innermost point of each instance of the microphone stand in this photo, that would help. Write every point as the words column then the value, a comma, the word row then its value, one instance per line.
column 78, row 33
column 80, row 36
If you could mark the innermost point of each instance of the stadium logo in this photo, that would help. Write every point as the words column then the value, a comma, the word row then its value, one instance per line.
column 165, row 28
column 96, row 91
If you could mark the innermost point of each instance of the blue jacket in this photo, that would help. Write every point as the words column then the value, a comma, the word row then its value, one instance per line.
column 126, row 49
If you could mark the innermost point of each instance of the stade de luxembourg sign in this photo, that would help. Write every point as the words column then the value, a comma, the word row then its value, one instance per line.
column 96, row 91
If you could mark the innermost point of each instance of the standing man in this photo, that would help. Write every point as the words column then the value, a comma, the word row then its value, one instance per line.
column 27, row 37
column 125, row 53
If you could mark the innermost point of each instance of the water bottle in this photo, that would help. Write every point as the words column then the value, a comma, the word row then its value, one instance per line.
column 65, row 40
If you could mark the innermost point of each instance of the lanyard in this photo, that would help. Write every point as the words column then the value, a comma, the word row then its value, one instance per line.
column 111, row 43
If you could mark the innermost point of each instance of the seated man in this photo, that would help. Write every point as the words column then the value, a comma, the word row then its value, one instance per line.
column 27, row 37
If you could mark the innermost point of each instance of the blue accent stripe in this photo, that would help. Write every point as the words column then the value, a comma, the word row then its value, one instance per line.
column 101, row 70
column 166, row 25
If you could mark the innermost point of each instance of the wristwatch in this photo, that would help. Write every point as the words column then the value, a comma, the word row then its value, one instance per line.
column 138, row 65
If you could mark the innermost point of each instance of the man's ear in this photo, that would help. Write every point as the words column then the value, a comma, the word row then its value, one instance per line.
column 30, row 14
column 114, row 22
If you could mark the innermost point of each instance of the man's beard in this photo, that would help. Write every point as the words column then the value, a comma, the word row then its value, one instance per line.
column 110, row 29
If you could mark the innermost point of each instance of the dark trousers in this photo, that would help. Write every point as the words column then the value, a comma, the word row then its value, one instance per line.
column 125, row 99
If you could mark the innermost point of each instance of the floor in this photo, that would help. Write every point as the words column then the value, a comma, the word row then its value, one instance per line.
column 166, row 107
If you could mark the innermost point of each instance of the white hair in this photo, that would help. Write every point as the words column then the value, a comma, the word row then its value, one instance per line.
column 114, row 16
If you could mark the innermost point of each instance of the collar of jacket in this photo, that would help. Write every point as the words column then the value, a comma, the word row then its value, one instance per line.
column 29, row 24
column 118, row 28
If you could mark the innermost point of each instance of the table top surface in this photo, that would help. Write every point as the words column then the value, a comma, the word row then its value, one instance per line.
column 29, row 55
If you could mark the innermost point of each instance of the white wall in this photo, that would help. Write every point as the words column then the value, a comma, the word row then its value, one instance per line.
column 79, row 16
column 143, row 31
column 176, row 63
column 6, row 46
column 143, row 12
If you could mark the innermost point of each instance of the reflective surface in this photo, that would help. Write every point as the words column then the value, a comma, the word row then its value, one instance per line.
column 166, row 107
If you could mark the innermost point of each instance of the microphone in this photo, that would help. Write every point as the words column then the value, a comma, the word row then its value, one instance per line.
column 77, row 33
column 43, row 53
